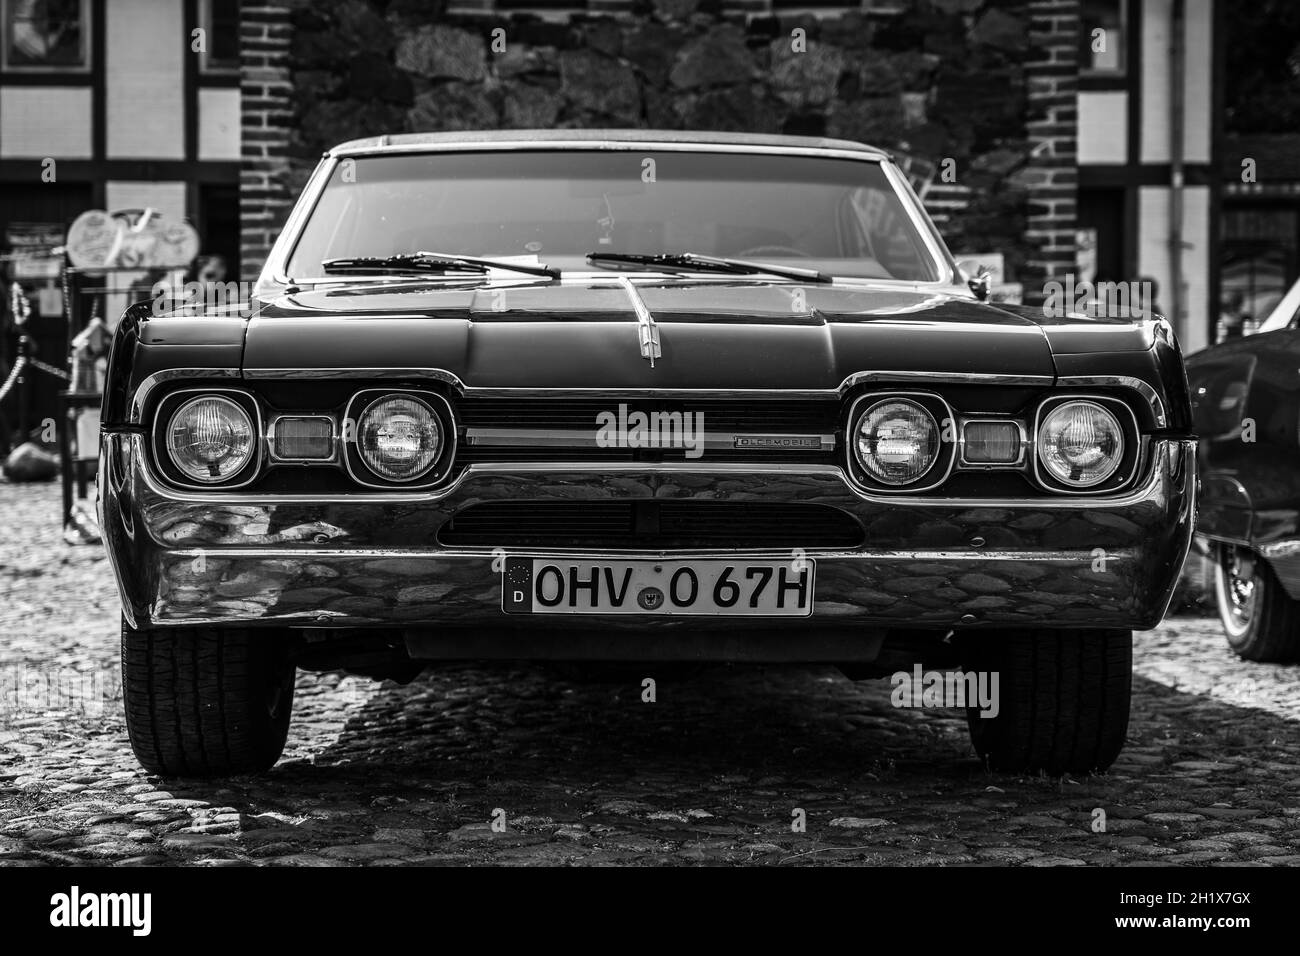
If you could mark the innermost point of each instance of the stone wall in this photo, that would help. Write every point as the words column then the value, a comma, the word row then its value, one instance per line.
column 946, row 83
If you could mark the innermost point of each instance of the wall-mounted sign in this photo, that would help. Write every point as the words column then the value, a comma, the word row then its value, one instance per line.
column 32, row 254
column 134, row 239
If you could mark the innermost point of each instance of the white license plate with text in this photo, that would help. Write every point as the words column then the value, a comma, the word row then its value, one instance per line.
column 702, row 587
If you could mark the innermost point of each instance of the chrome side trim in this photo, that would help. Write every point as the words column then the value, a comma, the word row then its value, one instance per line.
column 975, row 378
column 589, row 438
column 437, row 374
column 1149, row 394
column 533, row 437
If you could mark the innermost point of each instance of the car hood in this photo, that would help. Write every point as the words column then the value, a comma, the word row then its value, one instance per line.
column 712, row 334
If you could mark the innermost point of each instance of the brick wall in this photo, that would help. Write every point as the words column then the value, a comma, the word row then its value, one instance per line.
column 265, row 191
column 951, row 80
column 1052, row 176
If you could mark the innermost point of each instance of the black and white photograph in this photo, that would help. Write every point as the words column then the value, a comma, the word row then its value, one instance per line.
column 647, row 434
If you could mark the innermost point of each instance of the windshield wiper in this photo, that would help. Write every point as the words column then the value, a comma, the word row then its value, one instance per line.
column 439, row 263
column 690, row 262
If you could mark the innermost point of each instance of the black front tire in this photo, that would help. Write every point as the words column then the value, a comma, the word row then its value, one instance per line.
column 207, row 702
column 1063, row 701
column 1260, row 621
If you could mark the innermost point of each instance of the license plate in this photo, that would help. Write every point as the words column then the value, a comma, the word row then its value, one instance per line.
column 559, row 586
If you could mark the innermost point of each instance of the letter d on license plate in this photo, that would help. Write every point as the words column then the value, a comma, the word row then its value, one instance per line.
column 562, row 586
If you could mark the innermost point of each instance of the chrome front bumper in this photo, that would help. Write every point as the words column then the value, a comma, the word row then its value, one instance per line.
column 362, row 561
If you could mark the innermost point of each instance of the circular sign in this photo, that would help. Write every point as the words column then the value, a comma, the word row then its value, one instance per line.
column 128, row 240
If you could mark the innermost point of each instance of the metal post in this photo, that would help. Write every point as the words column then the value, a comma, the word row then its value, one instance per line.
column 20, row 385
column 1176, row 165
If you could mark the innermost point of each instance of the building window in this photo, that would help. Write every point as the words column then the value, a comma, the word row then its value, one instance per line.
column 1260, row 259
column 1103, row 32
column 220, row 22
column 44, row 35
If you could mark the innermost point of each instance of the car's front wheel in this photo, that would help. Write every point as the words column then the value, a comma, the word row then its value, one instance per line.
column 1261, row 622
column 207, row 701
column 1062, row 704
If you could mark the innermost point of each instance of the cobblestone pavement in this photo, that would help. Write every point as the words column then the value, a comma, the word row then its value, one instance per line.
column 714, row 771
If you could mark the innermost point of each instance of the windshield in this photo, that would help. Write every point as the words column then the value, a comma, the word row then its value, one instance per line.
column 835, row 215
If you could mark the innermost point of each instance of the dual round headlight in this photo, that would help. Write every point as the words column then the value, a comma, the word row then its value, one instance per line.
column 210, row 439
column 897, row 442
column 1080, row 443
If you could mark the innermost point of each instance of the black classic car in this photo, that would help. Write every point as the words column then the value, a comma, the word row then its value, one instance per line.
column 634, row 397
column 1246, row 399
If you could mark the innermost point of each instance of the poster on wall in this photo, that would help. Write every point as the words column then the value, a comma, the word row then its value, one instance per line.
column 135, row 239
column 35, row 260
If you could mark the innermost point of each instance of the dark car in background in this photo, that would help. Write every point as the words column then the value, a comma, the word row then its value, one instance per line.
column 634, row 396
column 1246, row 397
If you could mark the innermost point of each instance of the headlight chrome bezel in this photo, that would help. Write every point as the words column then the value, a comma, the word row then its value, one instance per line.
column 1129, row 456
column 165, row 415
column 360, row 471
column 939, row 412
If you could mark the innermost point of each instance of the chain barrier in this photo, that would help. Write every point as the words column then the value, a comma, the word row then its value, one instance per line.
column 21, row 308
column 49, row 369
column 13, row 377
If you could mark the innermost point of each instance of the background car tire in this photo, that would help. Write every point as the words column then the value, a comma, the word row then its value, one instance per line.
column 1063, row 699
column 205, row 702
column 1270, row 631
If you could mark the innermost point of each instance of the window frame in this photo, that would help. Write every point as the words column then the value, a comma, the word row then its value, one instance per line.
column 52, row 69
column 206, row 65
column 1121, row 71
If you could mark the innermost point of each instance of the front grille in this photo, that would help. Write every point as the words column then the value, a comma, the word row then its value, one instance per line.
column 582, row 418
column 720, row 415
column 651, row 525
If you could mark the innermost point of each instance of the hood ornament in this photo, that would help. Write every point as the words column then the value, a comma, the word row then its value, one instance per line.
column 647, row 329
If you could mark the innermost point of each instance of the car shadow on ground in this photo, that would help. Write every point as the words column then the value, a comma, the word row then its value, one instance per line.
column 728, row 758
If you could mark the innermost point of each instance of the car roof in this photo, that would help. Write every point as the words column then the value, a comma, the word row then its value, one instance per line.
column 611, row 138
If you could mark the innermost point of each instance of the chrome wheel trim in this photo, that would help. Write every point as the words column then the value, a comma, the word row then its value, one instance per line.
column 1237, row 588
